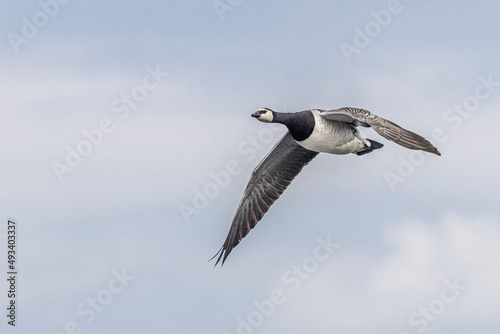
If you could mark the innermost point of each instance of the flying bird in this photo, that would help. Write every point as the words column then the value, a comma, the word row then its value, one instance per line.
column 309, row 133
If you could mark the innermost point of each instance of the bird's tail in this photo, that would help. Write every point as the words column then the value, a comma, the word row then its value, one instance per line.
column 374, row 146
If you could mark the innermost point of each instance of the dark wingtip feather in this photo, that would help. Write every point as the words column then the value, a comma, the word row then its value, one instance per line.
column 429, row 149
column 434, row 150
column 221, row 253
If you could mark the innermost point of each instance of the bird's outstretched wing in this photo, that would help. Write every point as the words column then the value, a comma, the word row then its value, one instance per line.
column 386, row 128
column 268, row 181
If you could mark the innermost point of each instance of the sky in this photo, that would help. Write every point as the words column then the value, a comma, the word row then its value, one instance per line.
column 127, row 142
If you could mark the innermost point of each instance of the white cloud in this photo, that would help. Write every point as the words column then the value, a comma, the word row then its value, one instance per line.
column 356, row 290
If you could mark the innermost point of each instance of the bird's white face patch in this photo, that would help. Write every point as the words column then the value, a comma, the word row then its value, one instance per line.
column 266, row 115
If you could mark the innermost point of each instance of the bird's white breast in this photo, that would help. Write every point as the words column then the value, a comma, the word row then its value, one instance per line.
column 332, row 137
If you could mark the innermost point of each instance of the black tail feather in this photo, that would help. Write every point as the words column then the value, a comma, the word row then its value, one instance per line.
column 374, row 146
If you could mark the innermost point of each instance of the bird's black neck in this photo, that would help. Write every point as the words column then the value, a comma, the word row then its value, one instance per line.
column 300, row 124
column 281, row 117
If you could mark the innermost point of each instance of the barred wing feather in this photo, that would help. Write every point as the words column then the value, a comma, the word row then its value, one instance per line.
column 268, row 181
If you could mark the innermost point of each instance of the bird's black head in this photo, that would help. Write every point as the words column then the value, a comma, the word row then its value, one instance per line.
column 264, row 115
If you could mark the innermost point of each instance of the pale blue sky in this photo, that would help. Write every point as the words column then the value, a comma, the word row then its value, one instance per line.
column 171, row 87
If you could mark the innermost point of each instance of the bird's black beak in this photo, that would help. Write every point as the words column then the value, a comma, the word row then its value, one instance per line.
column 256, row 115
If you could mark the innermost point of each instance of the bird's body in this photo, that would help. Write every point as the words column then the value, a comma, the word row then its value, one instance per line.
column 333, row 137
column 309, row 133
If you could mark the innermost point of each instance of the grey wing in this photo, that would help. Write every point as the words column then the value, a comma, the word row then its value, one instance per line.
column 268, row 181
column 385, row 128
